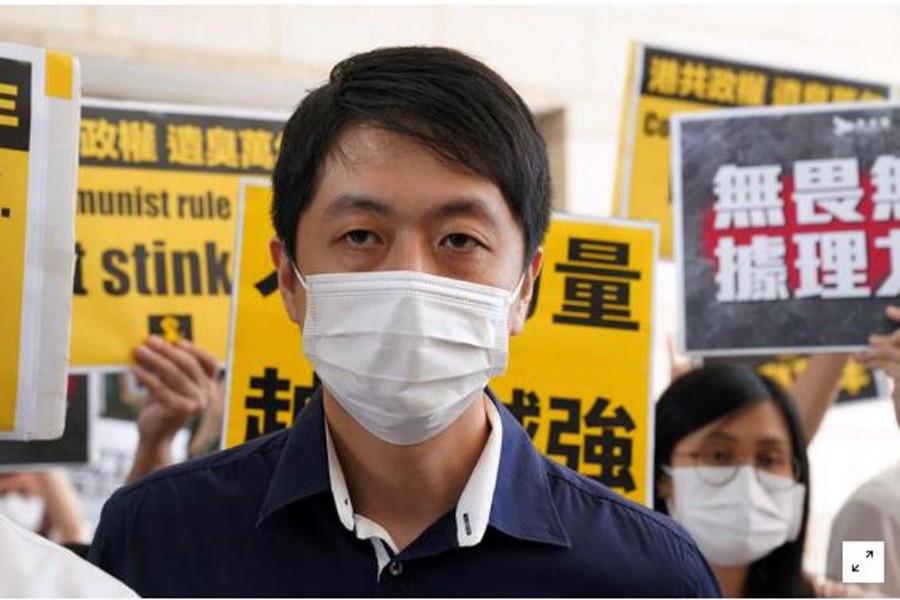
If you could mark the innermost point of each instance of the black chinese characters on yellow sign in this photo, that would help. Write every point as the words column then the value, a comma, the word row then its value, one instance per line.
column 663, row 81
column 269, row 378
column 157, row 205
column 578, row 378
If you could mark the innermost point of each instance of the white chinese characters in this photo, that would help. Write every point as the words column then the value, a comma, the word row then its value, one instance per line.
column 827, row 190
column 826, row 247
column 755, row 271
column 886, row 179
column 748, row 197
column 832, row 265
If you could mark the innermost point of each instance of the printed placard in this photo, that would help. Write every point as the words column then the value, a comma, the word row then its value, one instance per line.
column 269, row 378
column 664, row 81
column 788, row 223
column 157, row 204
column 39, row 106
column 579, row 376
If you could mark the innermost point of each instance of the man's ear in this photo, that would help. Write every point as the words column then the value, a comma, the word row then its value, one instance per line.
column 521, row 304
column 292, row 293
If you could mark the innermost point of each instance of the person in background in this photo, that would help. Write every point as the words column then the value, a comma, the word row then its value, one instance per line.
column 731, row 468
column 46, row 503
column 813, row 392
column 40, row 522
column 872, row 513
column 31, row 566
column 183, row 383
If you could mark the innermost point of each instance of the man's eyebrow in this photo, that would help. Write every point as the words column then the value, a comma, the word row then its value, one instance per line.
column 356, row 203
column 467, row 206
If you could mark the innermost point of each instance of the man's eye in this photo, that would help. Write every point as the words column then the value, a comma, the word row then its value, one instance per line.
column 461, row 241
column 359, row 237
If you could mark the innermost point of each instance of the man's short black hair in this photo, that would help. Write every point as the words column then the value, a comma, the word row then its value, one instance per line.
column 442, row 98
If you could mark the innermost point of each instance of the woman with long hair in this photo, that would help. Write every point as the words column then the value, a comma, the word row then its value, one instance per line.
column 731, row 468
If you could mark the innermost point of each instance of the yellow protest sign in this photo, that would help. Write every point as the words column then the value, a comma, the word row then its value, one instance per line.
column 157, row 204
column 39, row 103
column 662, row 82
column 269, row 378
column 15, row 126
column 578, row 378
column 579, row 375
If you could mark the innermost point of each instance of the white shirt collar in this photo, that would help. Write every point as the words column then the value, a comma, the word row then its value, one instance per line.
column 472, row 512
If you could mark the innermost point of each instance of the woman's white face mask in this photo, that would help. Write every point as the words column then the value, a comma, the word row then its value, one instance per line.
column 741, row 521
column 25, row 511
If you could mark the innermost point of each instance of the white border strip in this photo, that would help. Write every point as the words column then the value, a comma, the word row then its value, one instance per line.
column 33, row 283
column 232, row 327
column 630, row 122
column 677, row 230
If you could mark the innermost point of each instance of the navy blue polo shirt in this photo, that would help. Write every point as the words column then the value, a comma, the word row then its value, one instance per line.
column 260, row 520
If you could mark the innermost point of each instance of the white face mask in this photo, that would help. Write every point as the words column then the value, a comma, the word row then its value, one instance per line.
column 741, row 521
column 405, row 353
column 25, row 511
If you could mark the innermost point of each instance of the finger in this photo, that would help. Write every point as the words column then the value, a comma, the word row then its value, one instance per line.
column 889, row 338
column 893, row 313
column 885, row 346
column 882, row 357
column 207, row 361
column 165, row 369
column 891, row 368
column 184, row 360
column 146, row 378
column 161, row 393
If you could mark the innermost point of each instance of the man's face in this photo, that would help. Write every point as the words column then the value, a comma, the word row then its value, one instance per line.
column 387, row 203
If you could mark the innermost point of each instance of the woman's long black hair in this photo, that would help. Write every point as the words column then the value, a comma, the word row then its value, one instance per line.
column 706, row 395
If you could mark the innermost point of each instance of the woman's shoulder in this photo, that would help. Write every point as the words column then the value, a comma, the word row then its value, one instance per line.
column 825, row 588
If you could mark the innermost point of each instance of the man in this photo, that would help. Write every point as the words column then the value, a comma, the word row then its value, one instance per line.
column 872, row 513
column 411, row 196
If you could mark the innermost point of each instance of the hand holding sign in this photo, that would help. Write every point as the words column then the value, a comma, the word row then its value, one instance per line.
column 182, row 382
column 884, row 353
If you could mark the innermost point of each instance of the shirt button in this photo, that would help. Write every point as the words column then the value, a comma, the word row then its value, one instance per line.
column 395, row 569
